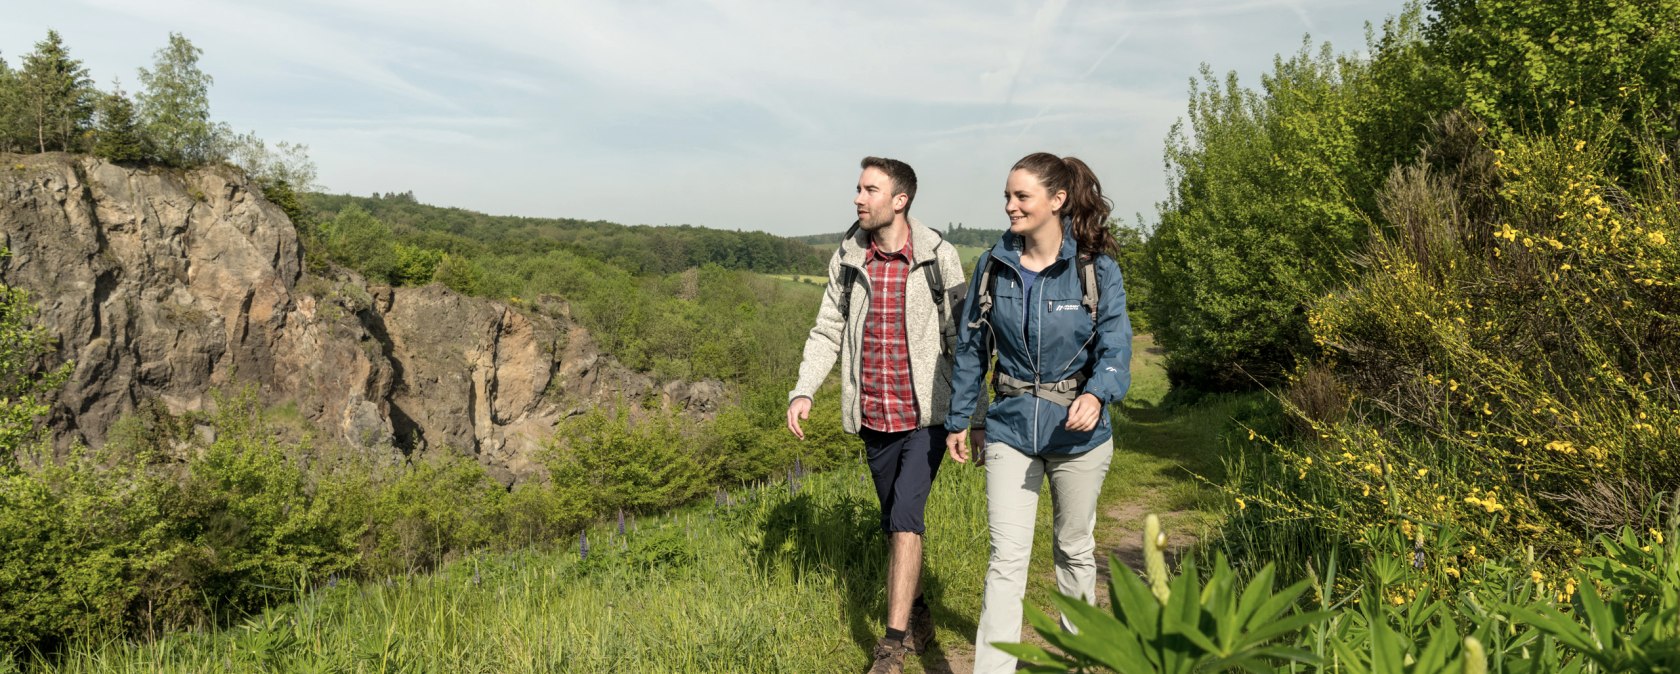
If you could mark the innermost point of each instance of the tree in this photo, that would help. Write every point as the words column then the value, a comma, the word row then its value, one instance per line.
column 287, row 163
column 117, row 136
column 11, row 110
column 57, row 95
column 175, row 106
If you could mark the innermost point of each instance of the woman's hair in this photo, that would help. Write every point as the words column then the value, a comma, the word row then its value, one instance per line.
column 1085, row 206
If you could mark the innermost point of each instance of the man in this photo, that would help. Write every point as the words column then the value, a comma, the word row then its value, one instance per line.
column 888, row 324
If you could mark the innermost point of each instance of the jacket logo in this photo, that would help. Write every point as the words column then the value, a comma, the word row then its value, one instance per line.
column 1065, row 307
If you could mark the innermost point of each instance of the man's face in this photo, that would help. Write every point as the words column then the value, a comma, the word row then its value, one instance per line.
column 876, row 204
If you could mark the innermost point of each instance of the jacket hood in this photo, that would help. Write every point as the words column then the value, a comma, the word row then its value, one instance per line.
column 923, row 242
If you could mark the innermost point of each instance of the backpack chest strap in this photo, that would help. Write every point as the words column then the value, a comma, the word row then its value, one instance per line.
column 1062, row 392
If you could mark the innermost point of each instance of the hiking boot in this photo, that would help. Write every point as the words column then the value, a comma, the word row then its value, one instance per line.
column 889, row 657
column 920, row 636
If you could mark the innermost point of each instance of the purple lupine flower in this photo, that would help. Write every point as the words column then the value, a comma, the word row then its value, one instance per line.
column 798, row 467
column 722, row 497
column 621, row 521
column 583, row 545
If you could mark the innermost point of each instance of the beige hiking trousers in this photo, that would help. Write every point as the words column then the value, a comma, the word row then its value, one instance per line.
column 1012, row 483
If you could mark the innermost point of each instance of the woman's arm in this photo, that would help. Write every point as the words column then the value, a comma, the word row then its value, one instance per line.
column 1111, row 375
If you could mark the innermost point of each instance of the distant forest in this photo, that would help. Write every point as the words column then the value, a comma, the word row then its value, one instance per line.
column 638, row 249
column 956, row 233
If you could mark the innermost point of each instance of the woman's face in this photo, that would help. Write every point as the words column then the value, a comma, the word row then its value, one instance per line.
column 1028, row 204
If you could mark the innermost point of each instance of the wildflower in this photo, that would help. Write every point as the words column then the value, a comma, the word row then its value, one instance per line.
column 1422, row 472
column 1537, row 576
column 583, row 545
column 1251, row 434
column 1657, row 238
column 1580, row 145
column 1657, row 535
column 1451, row 571
column 1452, row 384
column 1241, row 505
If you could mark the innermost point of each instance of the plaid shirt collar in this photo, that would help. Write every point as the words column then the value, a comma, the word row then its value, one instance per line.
column 904, row 253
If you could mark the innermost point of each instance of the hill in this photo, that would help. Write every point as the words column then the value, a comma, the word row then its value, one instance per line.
column 638, row 249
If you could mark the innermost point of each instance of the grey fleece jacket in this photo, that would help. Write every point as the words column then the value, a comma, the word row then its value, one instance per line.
column 840, row 336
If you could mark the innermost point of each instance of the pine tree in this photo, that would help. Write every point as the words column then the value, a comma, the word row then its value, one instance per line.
column 175, row 106
column 118, row 134
column 57, row 96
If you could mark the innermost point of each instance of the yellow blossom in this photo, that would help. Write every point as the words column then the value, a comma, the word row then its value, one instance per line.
column 1241, row 505
column 1537, row 576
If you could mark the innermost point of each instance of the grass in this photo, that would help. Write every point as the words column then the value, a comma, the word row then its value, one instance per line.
column 781, row 578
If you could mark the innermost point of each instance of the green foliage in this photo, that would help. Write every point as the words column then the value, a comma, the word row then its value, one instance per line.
column 640, row 250
column 25, row 389
column 1175, row 625
column 175, row 105
column 361, row 242
column 1133, row 248
column 118, row 136
column 1618, row 613
column 1509, row 347
column 1262, row 209
column 1531, row 65
column 57, row 96
column 286, row 162
column 611, row 464
column 13, row 134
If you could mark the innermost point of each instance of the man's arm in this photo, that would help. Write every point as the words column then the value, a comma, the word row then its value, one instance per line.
column 822, row 348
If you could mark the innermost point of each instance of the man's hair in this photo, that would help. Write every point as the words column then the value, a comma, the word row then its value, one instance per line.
column 902, row 176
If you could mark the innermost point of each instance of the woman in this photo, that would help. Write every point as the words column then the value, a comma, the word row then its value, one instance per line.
column 1064, row 350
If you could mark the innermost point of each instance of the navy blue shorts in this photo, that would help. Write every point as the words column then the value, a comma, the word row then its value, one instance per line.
column 904, row 465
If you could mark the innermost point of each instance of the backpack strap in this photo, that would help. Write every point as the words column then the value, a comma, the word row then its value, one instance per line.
column 1089, row 292
column 988, row 280
column 848, row 276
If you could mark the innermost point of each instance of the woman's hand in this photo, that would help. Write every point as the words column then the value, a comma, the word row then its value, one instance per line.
column 1084, row 413
column 956, row 446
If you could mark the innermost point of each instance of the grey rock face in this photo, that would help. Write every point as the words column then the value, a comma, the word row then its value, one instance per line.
column 169, row 285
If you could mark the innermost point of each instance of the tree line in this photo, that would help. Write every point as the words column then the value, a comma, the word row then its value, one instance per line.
column 638, row 249
column 49, row 103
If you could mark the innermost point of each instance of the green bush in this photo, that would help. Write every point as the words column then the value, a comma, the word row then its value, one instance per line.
column 1263, row 208
column 1508, row 350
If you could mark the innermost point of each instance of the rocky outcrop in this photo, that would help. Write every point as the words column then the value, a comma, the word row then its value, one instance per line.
column 170, row 285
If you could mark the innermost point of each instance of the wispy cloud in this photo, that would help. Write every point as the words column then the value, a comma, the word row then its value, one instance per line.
column 734, row 113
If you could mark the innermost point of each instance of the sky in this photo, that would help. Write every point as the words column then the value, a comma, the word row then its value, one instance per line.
column 715, row 113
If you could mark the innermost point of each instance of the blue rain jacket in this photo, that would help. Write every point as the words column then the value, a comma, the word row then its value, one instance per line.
column 1048, row 340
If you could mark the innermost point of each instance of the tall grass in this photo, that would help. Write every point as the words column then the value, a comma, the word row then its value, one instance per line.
column 786, row 577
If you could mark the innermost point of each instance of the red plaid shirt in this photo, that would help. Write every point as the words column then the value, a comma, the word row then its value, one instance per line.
column 888, row 399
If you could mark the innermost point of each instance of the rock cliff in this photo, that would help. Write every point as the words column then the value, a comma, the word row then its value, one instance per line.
column 169, row 285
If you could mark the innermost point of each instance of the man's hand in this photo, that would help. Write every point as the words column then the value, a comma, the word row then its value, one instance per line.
column 1084, row 412
column 956, row 446
column 799, row 408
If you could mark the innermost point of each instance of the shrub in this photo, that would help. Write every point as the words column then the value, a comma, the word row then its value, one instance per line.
column 1511, row 350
